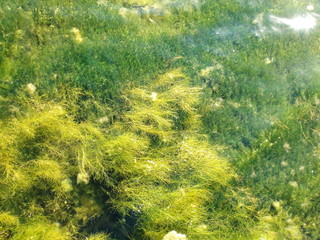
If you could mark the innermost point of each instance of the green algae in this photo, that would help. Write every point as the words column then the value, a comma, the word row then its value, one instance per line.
column 134, row 119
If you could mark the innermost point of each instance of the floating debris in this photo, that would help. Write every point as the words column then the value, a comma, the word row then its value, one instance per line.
column 77, row 35
column 286, row 147
column 206, row 71
column 83, row 177
column 153, row 96
column 310, row 8
column 173, row 235
column 293, row 184
column 268, row 60
column 31, row 88
column 277, row 205
column 103, row 120
column 66, row 185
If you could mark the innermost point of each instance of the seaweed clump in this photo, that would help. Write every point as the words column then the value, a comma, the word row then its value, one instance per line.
column 145, row 173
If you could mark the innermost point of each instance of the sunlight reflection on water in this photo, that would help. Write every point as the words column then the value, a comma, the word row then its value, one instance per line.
column 298, row 23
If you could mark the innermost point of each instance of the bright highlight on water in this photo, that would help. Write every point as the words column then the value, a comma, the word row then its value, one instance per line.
column 299, row 23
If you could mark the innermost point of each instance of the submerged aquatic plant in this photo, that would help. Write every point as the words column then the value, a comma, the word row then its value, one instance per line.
column 151, row 164
column 102, row 134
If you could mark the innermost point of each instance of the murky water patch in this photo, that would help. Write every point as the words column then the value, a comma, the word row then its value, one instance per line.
column 150, row 9
column 142, row 11
column 181, row 4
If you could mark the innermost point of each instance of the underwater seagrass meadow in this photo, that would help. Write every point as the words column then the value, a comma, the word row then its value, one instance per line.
column 159, row 119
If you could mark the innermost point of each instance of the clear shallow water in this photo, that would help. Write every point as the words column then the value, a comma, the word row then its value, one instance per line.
column 96, row 85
